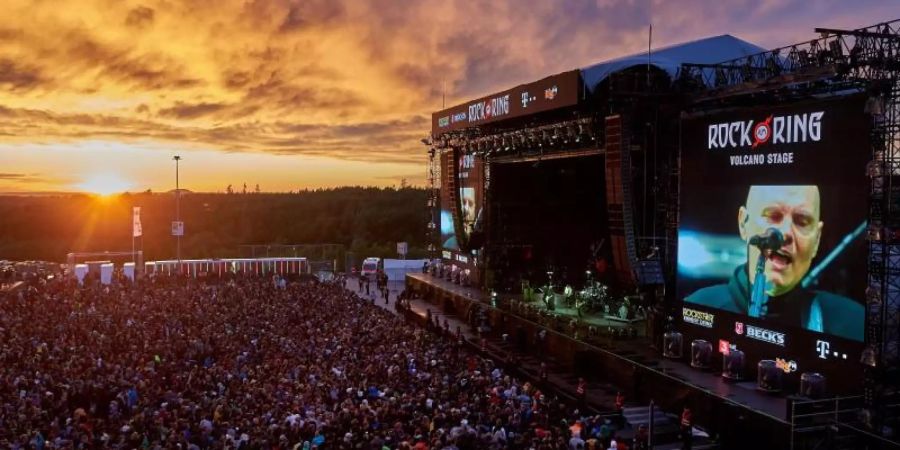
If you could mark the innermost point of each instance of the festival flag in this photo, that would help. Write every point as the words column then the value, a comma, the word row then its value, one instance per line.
column 136, row 226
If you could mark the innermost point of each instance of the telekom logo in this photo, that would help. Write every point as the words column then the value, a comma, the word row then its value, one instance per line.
column 822, row 348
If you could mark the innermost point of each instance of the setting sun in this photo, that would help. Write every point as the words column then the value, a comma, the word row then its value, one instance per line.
column 104, row 184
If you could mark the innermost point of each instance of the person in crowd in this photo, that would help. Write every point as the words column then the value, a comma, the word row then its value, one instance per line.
column 242, row 363
column 686, row 428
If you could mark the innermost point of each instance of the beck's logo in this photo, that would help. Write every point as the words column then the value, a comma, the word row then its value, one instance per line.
column 762, row 334
column 822, row 348
column 739, row 327
column 788, row 129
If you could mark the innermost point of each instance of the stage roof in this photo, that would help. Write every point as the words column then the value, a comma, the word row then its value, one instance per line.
column 709, row 50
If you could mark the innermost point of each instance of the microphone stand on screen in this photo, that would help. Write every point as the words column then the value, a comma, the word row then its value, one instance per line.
column 770, row 240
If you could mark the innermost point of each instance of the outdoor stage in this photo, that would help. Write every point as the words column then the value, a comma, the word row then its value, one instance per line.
column 630, row 364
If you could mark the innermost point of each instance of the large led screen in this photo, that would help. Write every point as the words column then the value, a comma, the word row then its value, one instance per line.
column 773, row 218
column 471, row 192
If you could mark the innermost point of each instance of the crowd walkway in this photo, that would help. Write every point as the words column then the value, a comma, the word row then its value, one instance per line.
column 600, row 397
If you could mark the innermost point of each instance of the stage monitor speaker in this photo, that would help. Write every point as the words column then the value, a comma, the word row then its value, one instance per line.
column 812, row 385
column 733, row 365
column 672, row 341
column 768, row 376
column 701, row 353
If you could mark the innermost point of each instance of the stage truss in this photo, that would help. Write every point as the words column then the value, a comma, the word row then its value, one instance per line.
column 862, row 60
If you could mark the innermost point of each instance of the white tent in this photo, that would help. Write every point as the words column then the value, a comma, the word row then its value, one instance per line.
column 709, row 50
column 81, row 271
column 396, row 269
column 128, row 269
column 106, row 271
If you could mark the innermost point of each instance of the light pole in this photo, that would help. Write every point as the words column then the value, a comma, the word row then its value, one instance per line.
column 177, row 212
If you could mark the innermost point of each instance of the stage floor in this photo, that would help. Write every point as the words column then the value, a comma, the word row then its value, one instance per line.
column 591, row 319
column 638, row 353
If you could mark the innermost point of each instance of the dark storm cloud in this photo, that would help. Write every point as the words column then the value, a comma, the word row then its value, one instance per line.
column 145, row 71
column 24, row 178
column 15, row 76
column 354, row 80
column 140, row 17
column 191, row 111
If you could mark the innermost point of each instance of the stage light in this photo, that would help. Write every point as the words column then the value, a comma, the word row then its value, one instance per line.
column 873, row 297
column 874, row 233
column 769, row 376
column 747, row 72
column 701, row 352
column 837, row 51
column 874, row 105
column 733, row 365
column 812, row 385
column 672, row 344
column 869, row 356
column 721, row 79
column 773, row 64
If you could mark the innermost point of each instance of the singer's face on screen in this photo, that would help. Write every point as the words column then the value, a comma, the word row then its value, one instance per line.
column 793, row 210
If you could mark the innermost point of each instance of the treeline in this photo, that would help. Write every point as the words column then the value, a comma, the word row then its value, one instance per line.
column 366, row 221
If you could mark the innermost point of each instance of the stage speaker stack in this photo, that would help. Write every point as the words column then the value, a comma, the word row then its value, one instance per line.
column 733, row 365
column 768, row 376
column 812, row 385
column 701, row 353
column 672, row 344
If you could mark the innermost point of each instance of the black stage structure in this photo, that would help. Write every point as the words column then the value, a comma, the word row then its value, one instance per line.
column 866, row 61
column 513, row 176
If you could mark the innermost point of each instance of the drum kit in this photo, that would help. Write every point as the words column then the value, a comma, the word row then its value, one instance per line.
column 592, row 298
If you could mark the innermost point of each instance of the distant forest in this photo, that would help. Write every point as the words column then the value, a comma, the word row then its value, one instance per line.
column 366, row 221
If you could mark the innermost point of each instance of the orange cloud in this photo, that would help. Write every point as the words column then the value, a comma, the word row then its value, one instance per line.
column 350, row 80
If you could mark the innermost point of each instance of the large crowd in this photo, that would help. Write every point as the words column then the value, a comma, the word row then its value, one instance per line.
column 252, row 364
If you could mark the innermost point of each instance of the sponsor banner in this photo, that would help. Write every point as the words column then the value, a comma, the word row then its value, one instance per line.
column 136, row 229
column 699, row 318
column 177, row 228
column 760, row 334
column 724, row 347
column 824, row 350
column 557, row 91
column 786, row 365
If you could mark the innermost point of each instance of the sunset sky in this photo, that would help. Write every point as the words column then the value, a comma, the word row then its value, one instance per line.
column 311, row 93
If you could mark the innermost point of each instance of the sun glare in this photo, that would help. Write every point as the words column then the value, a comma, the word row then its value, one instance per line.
column 104, row 184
